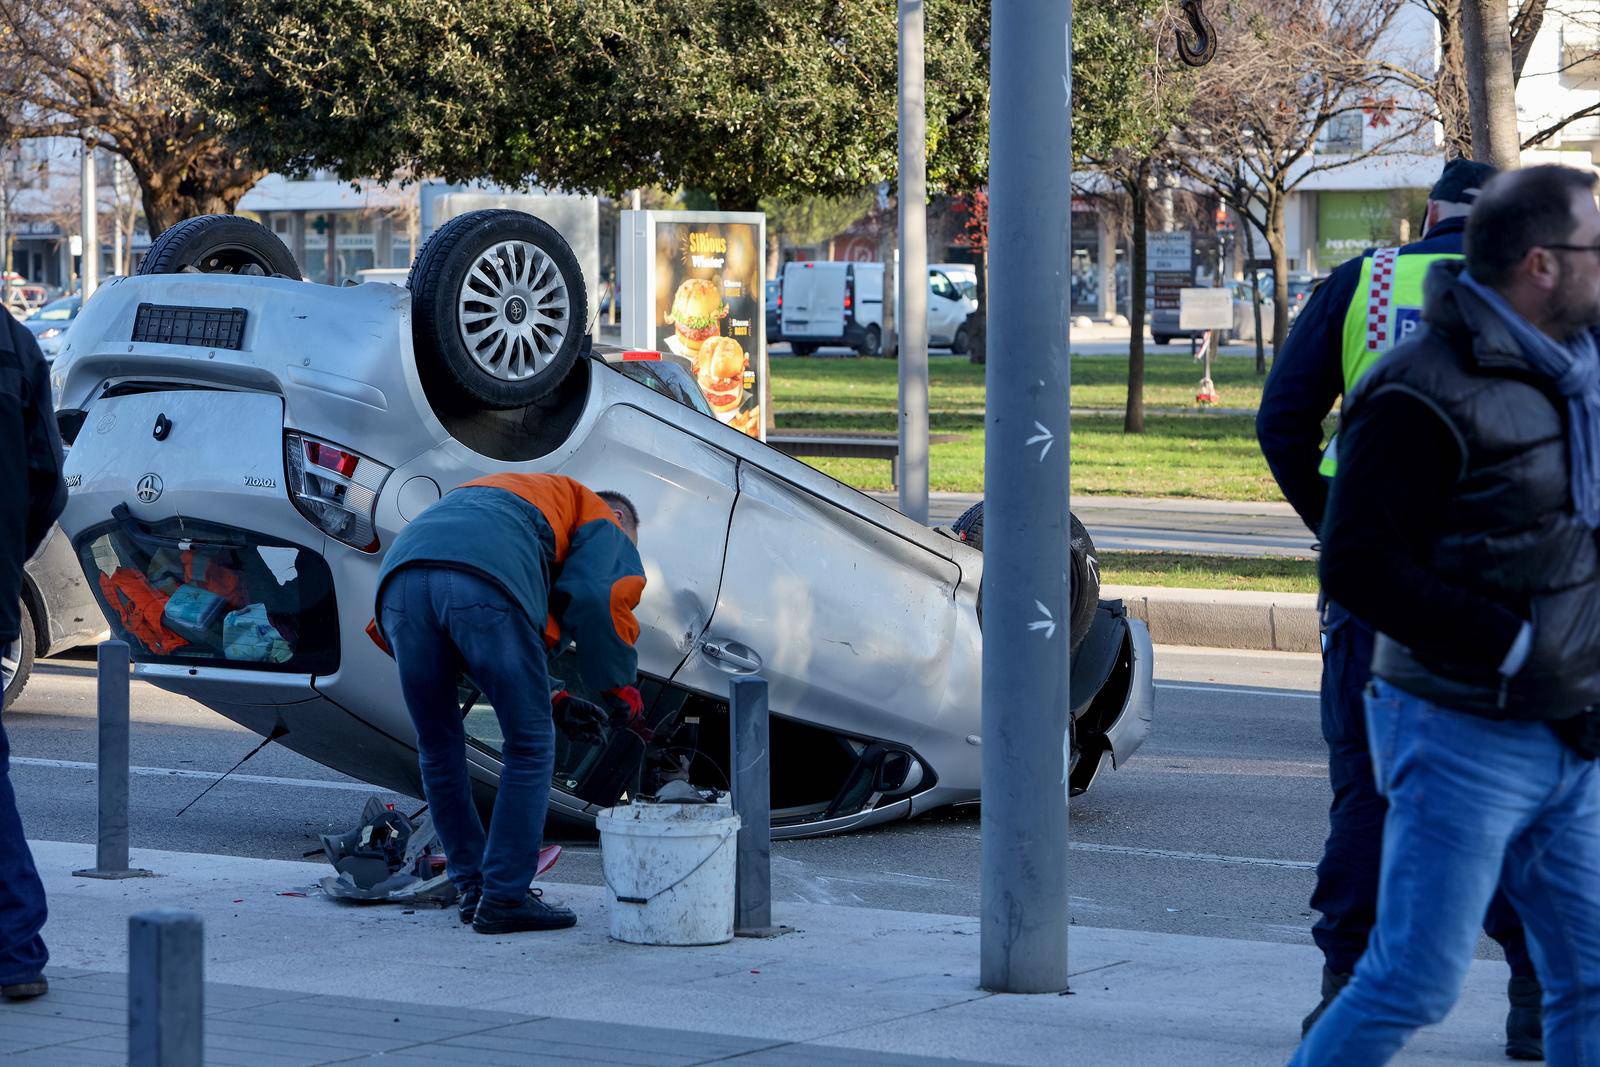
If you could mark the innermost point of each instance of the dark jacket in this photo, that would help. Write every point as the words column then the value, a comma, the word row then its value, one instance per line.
column 556, row 550
column 32, row 490
column 1447, row 548
column 1308, row 376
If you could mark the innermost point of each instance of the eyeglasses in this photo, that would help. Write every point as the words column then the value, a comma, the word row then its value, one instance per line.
column 1575, row 248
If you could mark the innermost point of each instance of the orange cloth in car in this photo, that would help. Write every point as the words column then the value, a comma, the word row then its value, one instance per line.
column 139, row 605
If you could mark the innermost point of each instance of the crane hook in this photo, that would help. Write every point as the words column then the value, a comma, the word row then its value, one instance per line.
column 1202, row 48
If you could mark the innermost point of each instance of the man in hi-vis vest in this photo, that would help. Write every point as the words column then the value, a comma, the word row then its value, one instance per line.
column 1363, row 309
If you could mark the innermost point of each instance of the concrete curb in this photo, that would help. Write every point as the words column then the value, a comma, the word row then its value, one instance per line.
column 1223, row 618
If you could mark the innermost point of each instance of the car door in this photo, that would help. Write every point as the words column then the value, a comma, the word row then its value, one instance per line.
column 852, row 626
column 944, row 303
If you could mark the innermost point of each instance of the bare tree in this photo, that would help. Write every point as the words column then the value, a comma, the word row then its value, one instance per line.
column 1445, row 81
column 1292, row 67
column 12, row 180
column 102, row 70
column 125, row 212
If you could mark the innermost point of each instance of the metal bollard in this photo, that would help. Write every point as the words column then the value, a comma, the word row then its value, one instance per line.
column 751, row 773
column 111, row 772
column 166, row 989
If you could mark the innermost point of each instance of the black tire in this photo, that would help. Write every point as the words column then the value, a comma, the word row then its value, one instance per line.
column 27, row 647
column 871, row 342
column 1162, row 338
column 961, row 343
column 1085, row 568
column 219, row 244
column 513, row 254
column 803, row 348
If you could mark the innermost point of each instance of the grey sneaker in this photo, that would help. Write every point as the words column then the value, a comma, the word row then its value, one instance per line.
column 529, row 913
column 1332, row 983
column 1525, row 1020
column 36, row 987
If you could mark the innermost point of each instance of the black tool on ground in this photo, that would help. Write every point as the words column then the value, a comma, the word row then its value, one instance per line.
column 1202, row 48
column 277, row 732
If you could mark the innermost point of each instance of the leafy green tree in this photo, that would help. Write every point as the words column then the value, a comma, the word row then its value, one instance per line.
column 742, row 99
column 815, row 218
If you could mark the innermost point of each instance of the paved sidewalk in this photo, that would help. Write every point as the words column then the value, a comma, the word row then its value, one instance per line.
column 83, row 1022
column 1165, row 524
column 303, row 980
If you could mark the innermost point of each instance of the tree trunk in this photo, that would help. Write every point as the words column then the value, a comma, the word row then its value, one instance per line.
column 1278, row 242
column 207, row 187
column 1491, row 89
column 5, row 245
column 978, row 321
column 1139, row 196
column 888, row 245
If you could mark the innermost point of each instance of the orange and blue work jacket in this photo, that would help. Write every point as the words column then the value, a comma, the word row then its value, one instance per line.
column 556, row 550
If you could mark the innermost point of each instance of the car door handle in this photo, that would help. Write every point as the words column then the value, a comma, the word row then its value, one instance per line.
column 732, row 656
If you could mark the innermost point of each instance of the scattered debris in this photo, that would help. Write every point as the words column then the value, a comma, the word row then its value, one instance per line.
column 387, row 859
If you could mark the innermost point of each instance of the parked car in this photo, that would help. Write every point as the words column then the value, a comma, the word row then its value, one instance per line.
column 246, row 448
column 774, row 303
column 59, row 611
column 835, row 304
column 1164, row 328
column 1300, row 287
column 49, row 323
column 952, row 297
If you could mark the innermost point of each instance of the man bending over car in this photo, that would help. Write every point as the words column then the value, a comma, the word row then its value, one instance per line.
column 485, row 582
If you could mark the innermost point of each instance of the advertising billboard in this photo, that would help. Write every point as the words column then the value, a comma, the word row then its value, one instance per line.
column 693, row 290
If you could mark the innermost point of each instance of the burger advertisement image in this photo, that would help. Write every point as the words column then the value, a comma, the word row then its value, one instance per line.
column 700, row 277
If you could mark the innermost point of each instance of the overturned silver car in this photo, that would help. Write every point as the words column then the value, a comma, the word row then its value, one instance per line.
column 246, row 445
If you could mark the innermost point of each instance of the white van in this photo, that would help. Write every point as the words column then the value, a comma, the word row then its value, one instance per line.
column 841, row 304
column 829, row 303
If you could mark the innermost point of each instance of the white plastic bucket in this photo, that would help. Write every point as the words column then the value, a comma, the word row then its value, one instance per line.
column 670, row 869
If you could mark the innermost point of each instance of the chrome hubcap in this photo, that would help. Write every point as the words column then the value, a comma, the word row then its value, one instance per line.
column 514, row 311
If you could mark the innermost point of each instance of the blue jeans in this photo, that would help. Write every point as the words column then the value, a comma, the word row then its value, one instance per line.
column 22, row 907
column 440, row 623
column 1472, row 803
column 1347, row 877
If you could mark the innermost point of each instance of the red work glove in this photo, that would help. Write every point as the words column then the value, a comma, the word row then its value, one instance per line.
column 627, row 705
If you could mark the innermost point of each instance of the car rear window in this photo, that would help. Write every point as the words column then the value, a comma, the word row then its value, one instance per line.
column 201, row 594
column 669, row 380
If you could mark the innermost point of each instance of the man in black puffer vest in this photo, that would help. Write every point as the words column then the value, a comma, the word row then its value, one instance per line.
column 1462, row 527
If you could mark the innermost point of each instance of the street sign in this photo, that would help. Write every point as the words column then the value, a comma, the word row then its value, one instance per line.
column 1169, row 263
column 1169, row 250
column 1205, row 309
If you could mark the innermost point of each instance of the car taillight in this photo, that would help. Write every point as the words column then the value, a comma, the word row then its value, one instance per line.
column 336, row 489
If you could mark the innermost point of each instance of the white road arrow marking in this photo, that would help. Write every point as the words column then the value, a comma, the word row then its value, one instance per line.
column 1047, row 624
column 1045, row 436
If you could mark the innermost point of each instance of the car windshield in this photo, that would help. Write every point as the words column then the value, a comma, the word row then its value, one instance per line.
column 59, row 310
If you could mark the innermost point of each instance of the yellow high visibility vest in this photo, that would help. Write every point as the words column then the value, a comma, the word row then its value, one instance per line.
column 1386, row 308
